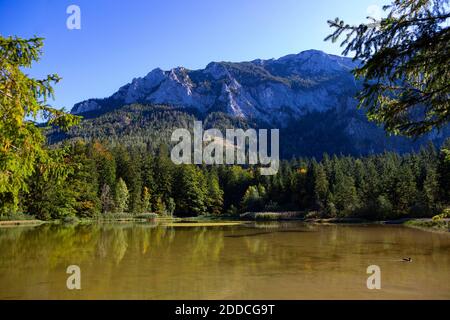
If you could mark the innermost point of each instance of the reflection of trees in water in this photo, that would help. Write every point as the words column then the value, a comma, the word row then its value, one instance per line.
column 47, row 244
column 207, row 245
column 139, row 239
column 119, row 244
column 208, row 262
column 61, row 244
column 256, row 245
column 66, row 244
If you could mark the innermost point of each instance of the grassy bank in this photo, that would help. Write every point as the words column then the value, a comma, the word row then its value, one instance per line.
column 9, row 223
column 25, row 219
column 126, row 217
column 268, row 216
column 18, row 219
column 442, row 225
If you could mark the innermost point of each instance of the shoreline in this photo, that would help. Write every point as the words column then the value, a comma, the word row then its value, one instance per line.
column 13, row 223
column 439, row 226
column 425, row 224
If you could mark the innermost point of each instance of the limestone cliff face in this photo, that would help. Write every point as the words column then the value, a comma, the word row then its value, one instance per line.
column 269, row 90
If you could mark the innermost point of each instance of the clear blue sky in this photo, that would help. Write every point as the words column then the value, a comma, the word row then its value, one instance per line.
column 120, row 40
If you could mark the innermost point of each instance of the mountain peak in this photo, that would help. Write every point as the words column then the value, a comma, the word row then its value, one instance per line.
column 305, row 54
column 271, row 90
column 318, row 61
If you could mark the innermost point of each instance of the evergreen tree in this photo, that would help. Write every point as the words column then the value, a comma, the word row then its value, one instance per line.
column 444, row 174
column 431, row 190
column 404, row 190
column 360, row 176
column 214, row 199
column 128, row 163
column 162, row 175
column 321, row 186
column 84, row 182
column 22, row 100
column 190, row 195
column 404, row 61
column 344, row 193
column 371, row 189
column 134, row 182
column 148, row 181
column 50, row 196
column 300, row 188
column 106, row 166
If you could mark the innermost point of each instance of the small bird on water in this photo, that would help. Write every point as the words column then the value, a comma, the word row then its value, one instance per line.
column 407, row 259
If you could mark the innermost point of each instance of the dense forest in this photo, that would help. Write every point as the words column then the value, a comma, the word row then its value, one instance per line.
column 101, row 179
column 311, row 136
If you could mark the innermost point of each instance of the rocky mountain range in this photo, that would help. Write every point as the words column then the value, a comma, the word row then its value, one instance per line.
column 269, row 90
column 309, row 95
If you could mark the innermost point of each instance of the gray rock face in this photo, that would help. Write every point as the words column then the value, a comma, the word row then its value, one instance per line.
column 309, row 96
column 269, row 90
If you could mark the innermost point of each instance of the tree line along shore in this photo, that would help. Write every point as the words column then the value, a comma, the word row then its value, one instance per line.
column 104, row 181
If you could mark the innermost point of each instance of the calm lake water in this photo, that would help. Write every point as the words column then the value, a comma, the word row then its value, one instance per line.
column 277, row 260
